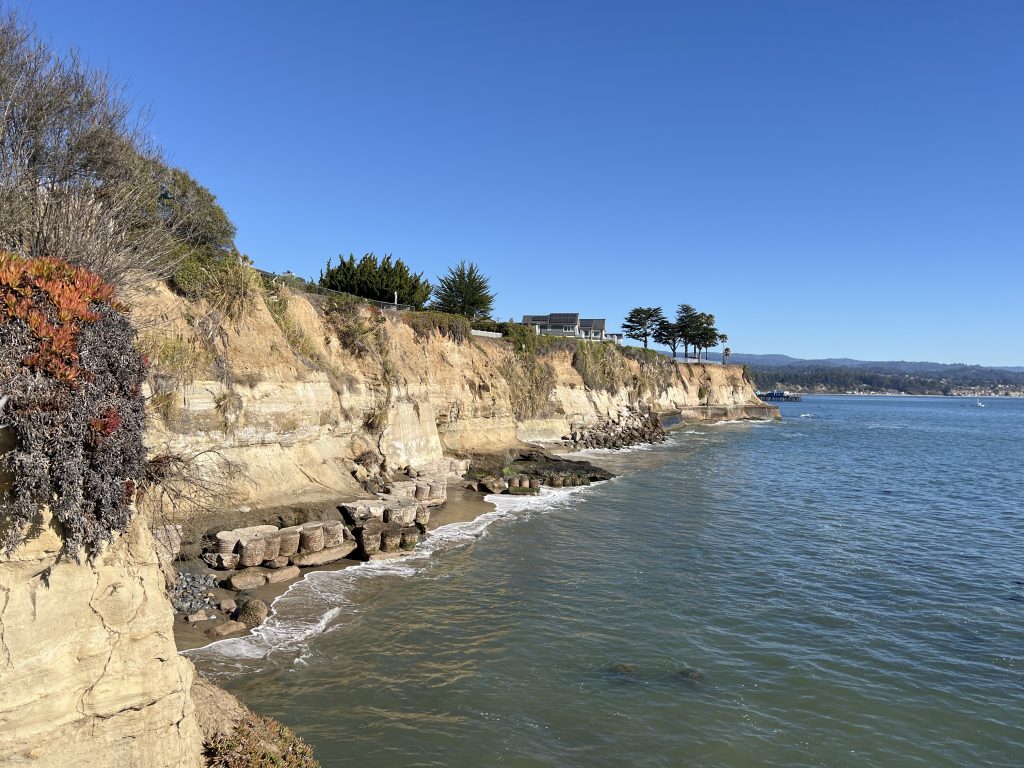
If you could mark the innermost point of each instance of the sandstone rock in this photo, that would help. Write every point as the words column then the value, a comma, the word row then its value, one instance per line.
column 369, row 536
column 391, row 538
column 226, row 542
column 401, row 514
column 228, row 606
column 278, row 562
column 422, row 491
column 252, row 552
column 249, row 578
column 438, row 490
column 226, row 562
column 289, row 541
column 89, row 674
column 333, row 533
column 324, row 556
column 271, row 545
column 226, row 628
column 493, row 484
column 513, row 482
column 422, row 516
column 194, row 618
column 410, row 537
column 360, row 474
column 284, row 574
column 253, row 612
column 311, row 538
column 535, row 483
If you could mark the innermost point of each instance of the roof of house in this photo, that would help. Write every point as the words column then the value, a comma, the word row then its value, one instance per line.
column 555, row 318
column 596, row 324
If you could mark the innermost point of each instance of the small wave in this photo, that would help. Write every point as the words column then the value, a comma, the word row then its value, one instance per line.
column 806, row 415
column 311, row 605
column 606, row 451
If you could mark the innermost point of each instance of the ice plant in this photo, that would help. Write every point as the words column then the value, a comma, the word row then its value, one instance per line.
column 73, row 378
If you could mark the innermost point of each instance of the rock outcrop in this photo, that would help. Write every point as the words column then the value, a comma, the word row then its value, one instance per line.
column 307, row 420
column 89, row 672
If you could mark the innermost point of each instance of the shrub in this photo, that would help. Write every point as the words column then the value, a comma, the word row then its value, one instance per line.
column 425, row 324
column 600, row 365
column 74, row 381
column 354, row 323
column 225, row 281
column 298, row 340
column 259, row 742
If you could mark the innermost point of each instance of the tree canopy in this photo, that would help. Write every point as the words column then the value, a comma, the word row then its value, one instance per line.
column 377, row 280
column 464, row 290
column 670, row 335
column 641, row 323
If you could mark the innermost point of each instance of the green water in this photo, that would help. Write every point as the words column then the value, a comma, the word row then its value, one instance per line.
column 845, row 588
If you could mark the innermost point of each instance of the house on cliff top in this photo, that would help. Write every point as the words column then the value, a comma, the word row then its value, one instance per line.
column 572, row 325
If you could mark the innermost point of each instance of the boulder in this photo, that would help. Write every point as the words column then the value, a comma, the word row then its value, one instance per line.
column 289, row 541
column 402, row 513
column 248, row 578
column 410, row 537
column 369, row 536
column 252, row 552
column 226, row 562
column 226, row 628
column 391, row 538
column 311, row 538
column 226, row 542
column 228, row 606
column 493, row 484
column 192, row 618
column 324, row 556
column 333, row 533
column 277, row 562
column 422, row 516
column 271, row 545
column 253, row 612
column 284, row 574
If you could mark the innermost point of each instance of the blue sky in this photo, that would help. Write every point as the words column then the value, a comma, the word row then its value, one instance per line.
column 828, row 178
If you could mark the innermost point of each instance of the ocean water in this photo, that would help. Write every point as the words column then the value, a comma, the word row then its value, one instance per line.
column 844, row 588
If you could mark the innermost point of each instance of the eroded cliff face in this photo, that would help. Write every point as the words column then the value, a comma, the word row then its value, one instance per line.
column 89, row 672
column 291, row 407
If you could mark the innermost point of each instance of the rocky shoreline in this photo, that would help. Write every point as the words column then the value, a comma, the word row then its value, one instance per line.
column 229, row 577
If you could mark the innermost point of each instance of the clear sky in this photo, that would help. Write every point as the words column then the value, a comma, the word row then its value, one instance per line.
column 829, row 178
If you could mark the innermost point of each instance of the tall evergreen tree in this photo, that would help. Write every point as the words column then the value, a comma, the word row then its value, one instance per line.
column 670, row 335
column 687, row 319
column 464, row 290
column 641, row 322
column 377, row 280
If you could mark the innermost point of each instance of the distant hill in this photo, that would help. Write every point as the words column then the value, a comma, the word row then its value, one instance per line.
column 848, row 375
column 902, row 366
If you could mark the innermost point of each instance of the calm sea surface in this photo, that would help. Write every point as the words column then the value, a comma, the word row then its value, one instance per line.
column 845, row 588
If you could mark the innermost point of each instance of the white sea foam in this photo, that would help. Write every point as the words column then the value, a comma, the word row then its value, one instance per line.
column 317, row 601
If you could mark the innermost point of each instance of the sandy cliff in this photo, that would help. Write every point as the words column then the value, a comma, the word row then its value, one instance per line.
column 90, row 673
column 291, row 406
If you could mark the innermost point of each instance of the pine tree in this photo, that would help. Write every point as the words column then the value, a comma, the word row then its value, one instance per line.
column 465, row 291
column 641, row 322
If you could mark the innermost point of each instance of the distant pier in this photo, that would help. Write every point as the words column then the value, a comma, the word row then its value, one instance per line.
column 776, row 395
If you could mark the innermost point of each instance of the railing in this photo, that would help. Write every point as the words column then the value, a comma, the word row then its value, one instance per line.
column 300, row 284
column 486, row 334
